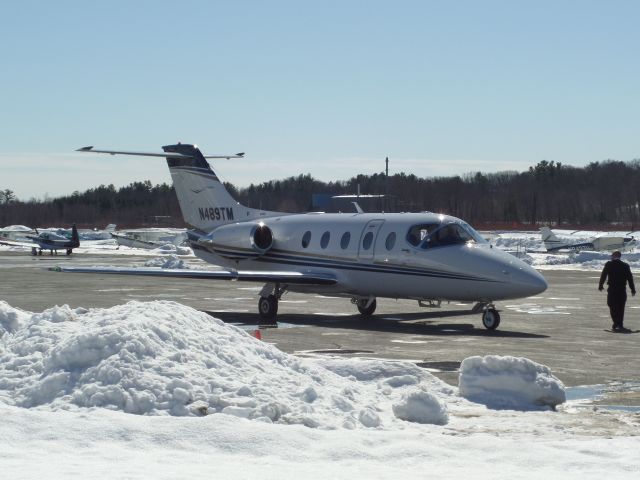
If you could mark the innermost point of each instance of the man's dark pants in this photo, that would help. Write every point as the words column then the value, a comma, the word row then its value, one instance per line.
column 616, row 299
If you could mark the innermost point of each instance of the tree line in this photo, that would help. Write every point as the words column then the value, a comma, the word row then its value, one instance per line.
column 601, row 194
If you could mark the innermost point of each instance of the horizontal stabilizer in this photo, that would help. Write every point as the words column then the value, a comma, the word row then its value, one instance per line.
column 154, row 154
column 297, row 278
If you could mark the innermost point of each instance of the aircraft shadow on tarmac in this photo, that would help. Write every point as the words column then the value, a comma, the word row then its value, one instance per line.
column 419, row 323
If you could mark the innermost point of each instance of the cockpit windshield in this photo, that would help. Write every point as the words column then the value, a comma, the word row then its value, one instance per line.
column 473, row 232
column 419, row 233
column 431, row 235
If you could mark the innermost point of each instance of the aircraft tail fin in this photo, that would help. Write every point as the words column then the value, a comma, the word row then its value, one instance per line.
column 549, row 238
column 75, row 238
column 110, row 228
column 203, row 199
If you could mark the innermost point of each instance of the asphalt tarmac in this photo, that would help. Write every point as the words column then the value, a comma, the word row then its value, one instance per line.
column 564, row 328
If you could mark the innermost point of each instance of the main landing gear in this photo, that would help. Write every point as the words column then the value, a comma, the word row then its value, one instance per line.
column 268, row 302
column 268, row 307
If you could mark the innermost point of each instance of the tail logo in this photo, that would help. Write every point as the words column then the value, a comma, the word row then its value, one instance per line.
column 199, row 190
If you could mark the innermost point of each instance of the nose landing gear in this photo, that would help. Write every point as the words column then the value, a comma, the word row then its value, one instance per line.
column 366, row 306
column 490, row 317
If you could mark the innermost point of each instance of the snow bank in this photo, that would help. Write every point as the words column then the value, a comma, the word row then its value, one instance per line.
column 509, row 383
column 16, row 228
column 163, row 358
column 169, row 248
column 11, row 319
column 166, row 262
column 421, row 407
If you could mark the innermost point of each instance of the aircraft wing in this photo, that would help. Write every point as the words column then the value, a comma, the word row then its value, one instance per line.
column 298, row 278
column 16, row 243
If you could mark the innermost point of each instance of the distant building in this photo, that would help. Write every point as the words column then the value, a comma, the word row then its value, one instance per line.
column 344, row 203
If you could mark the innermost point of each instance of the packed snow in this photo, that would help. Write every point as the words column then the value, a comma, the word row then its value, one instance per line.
column 165, row 358
column 15, row 228
column 172, row 261
column 160, row 390
column 509, row 383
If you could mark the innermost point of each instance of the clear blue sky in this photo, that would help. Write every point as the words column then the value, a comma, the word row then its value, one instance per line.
column 328, row 88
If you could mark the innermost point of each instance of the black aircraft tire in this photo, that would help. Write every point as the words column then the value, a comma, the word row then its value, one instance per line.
column 491, row 319
column 268, row 307
column 364, row 310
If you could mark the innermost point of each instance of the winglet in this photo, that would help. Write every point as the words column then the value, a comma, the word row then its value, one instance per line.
column 85, row 149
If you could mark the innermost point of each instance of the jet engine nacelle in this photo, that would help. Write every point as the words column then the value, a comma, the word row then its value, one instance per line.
column 239, row 241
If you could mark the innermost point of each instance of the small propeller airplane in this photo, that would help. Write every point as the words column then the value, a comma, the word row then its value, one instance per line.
column 50, row 241
column 554, row 244
column 362, row 256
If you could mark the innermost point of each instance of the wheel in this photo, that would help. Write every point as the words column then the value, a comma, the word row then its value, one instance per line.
column 69, row 251
column 268, row 307
column 40, row 252
column 491, row 319
column 363, row 309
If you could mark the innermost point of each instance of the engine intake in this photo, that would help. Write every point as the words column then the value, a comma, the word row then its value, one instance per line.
column 239, row 241
column 262, row 237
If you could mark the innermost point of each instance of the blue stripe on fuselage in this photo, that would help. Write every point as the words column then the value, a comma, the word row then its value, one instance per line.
column 281, row 257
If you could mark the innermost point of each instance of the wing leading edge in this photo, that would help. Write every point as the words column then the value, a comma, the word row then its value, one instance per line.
column 298, row 278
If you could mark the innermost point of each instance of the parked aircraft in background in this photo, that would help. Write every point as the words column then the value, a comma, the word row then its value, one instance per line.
column 129, row 241
column 603, row 242
column 148, row 238
column 50, row 241
column 53, row 242
column 423, row 256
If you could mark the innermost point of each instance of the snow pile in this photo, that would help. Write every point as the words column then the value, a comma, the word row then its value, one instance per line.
column 16, row 228
column 170, row 248
column 163, row 358
column 11, row 319
column 518, row 241
column 166, row 262
column 509, row 383
column 421, row 407
column 93, row 235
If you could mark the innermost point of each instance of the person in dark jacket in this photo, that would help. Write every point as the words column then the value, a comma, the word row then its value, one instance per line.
column 618, row 274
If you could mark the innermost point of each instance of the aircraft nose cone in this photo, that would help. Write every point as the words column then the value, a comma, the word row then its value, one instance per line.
column 530, row 282
column 538, row 283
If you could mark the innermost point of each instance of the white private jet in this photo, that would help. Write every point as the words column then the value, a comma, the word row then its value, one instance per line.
column 554, row 244
column 423, row 256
